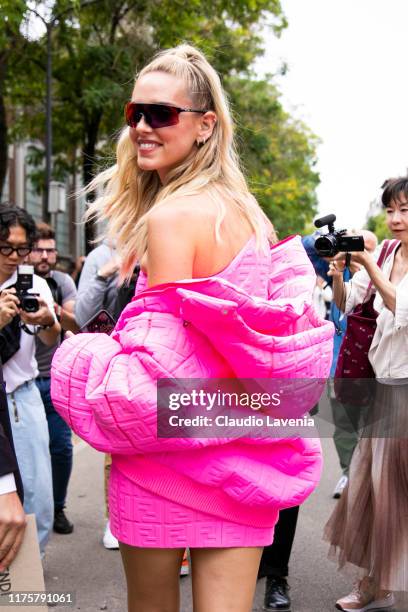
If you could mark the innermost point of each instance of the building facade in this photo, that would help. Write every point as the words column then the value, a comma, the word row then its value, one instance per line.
column 19, row 189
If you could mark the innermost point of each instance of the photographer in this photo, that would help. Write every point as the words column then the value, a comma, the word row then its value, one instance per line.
column 368, row 529
column 18, row 330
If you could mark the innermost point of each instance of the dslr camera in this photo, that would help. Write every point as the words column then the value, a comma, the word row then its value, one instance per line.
column 335, row 241
column 28, row 301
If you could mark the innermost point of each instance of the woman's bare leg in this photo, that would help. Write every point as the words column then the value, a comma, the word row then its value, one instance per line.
column 152, row 576
column 224, row 579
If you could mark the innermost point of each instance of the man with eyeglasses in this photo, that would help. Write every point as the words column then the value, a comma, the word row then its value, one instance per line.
column 43, row 257
column 18, row 329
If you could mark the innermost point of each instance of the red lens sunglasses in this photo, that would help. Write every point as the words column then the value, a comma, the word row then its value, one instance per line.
column 155, row 115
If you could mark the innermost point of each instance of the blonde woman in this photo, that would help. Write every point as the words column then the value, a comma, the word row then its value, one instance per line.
column 177, row 201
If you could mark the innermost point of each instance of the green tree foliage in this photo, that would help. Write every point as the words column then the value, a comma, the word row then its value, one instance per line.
column 378, row 225
column 98, row 46
column 11, row 43
column 279, row 154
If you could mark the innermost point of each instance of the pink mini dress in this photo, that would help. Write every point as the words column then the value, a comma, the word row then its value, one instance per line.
column 143, row 519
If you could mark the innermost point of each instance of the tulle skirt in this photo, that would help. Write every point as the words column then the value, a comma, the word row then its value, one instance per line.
column 368, row 530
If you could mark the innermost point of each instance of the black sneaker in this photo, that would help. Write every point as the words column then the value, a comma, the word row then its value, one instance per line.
column 276, row 594
column 61, row 523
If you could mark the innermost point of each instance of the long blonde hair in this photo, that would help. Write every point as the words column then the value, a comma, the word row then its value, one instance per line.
column 129, row 193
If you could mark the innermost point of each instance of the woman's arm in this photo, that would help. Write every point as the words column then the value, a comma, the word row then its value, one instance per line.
column 348, row 295
column 99, row 268
column 385, row 288
column 339, row 286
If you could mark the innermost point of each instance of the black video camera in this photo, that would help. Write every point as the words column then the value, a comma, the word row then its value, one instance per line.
column 28, row 301
column 335, row 241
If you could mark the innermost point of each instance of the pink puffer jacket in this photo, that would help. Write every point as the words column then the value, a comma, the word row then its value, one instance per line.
column 105, row 387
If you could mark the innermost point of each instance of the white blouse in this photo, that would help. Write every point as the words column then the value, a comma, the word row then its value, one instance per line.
column 389, row 349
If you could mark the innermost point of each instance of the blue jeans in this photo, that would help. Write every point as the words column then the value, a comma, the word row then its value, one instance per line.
column 31, row 441
column 60, row 445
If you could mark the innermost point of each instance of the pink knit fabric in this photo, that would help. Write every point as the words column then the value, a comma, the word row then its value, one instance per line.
column 254, row 319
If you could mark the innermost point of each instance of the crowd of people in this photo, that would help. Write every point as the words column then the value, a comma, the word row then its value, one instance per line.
column 217, row 295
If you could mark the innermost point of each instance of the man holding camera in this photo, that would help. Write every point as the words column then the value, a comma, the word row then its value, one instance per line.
column 23, row 316
column 44, row 258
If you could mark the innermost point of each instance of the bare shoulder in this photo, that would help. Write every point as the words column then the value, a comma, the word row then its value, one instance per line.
column 174, row 232
column 188, row 214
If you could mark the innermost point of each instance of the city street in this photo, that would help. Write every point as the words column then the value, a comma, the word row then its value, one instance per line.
column 80, row 563
column 223, row 188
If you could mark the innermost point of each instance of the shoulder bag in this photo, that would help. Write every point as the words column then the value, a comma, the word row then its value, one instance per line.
column 353, row 366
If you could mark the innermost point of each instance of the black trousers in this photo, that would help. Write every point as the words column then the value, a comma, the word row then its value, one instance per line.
column 275, row 558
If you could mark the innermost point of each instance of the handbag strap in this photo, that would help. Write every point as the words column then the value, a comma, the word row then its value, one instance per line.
column 387, row 248
column 385, row 251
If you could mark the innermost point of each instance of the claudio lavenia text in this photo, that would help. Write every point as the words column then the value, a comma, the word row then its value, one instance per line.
column 224, row 420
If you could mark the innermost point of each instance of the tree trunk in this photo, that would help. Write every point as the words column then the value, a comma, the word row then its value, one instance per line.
column 3, row 129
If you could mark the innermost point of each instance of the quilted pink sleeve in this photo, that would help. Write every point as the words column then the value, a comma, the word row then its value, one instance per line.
column 69, row 378
column 108, row 397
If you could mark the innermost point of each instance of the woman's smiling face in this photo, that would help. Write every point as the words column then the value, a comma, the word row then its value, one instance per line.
column 162, row 149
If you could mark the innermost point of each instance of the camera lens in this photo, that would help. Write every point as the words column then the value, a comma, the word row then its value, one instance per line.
column 29, row 304
column 326, row 246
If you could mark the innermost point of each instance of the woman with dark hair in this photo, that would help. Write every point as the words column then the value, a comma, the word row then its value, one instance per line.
column 369, row 527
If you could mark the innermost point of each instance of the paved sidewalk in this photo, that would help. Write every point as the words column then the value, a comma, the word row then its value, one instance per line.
column 79, row 563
